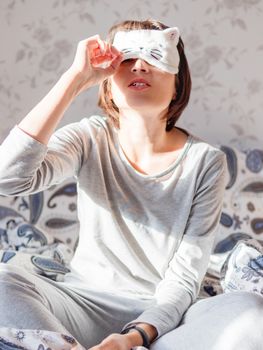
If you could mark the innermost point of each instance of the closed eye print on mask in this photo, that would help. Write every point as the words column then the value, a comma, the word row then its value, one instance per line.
column 131, row 61
column 154, row 52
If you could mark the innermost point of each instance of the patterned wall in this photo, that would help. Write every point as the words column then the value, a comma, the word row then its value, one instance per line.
column 223, row 40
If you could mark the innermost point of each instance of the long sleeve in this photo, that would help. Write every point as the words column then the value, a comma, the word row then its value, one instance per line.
column 181, row 283
column 147, row 237
column 28, row 166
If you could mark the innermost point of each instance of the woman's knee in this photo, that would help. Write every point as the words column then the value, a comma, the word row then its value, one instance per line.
column 244, row 300
column 15, row 281
column 252, row 310
column 8, row 268
column 12, row 272
column 245, row 331
column 227, row 303
column 232, row 313
column 228, row 321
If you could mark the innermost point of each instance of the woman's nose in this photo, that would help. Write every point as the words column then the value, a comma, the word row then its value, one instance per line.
column 140, row 65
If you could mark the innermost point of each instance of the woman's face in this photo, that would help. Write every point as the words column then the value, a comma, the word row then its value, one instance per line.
column 143, row 87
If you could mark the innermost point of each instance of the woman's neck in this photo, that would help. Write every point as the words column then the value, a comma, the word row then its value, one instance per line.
column 145, row 140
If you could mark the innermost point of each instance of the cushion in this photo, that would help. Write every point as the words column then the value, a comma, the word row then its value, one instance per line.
column 243, row 269
column 13, row 338
column 40, row 231
column 242, row 212
column 51, row 216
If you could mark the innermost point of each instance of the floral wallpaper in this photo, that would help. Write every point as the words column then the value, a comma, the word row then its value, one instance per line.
column 223, row 44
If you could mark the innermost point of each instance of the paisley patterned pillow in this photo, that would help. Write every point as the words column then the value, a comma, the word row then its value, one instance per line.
column 243, row 269
column 17, row 339
column 40, row 231
column 43, row 218
column 242, row 213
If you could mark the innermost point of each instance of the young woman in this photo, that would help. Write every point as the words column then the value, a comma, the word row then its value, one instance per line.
column 149, row 199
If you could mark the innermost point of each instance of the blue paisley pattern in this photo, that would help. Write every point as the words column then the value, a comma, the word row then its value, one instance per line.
column 7, row 256
column 68, row 190
column 23, row 242
column 226, row 220
column 254, row 187
column 257, row 225
column 231, row 164
column 36, row 203
column 58, row 222
column 30, row 234
column 243, row 269
column 242, row 215
column 6, row 345
column 227, row 244
column 45, row 264
column 25, row 339
column 254, row 160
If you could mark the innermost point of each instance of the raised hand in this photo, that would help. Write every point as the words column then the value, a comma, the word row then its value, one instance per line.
column 91, row 54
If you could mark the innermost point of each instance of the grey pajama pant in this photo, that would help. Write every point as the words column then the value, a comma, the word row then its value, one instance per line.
column 225, row 322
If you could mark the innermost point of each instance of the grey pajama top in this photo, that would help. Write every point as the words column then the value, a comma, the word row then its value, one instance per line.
column 141, row 236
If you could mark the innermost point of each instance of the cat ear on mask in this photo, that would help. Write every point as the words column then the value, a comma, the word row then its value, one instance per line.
column 172, row 34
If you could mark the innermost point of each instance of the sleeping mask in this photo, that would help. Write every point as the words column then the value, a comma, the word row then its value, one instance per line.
column 157, row 47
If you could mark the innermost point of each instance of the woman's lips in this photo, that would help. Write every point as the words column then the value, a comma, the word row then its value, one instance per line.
column 139, row 81
column 138, row 87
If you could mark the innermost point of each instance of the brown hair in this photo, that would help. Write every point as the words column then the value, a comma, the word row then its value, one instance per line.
column 182, row 82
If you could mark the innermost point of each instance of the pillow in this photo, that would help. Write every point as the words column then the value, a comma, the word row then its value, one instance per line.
column 242, row 212
column 51, row 261
column 42, row 218
column 35, row 339
column 243, row 269
column 39, row 232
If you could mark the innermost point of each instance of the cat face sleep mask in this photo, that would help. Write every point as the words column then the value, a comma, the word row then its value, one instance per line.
column 157, row 47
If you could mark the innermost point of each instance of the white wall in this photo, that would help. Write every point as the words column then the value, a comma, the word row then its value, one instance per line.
column 223, row 40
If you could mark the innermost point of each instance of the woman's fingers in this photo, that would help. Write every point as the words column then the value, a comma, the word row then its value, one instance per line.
column 95, row 60
column 105, row 53
column 115, row 51
column 99, row 47
column 113, row 65
column 102, row 46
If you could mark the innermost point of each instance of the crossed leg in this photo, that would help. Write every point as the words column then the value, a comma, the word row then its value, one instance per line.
column 225, row 322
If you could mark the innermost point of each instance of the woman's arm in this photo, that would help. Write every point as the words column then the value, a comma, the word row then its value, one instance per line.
column 41, row 122
column 28, row 161
column 182, row 279
column 43, row 119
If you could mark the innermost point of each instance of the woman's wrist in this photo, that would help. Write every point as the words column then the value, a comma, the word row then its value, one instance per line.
column 134, row 338
column 150, row 330
column 77, row 80
column 140, row 334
